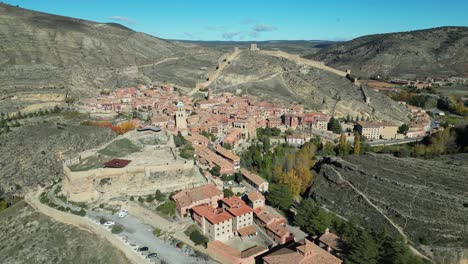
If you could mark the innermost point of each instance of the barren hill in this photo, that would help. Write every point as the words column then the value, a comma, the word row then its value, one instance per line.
column 427, row 199
column 273, row 77
column 437, row 52
column 47, row 56
column 42, row 50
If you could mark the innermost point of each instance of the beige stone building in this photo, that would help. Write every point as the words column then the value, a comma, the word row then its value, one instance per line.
column 185, row 200
column 369, row 130
column 256, row 181
column 181, row 117
column 377, row 130
column 242, row 214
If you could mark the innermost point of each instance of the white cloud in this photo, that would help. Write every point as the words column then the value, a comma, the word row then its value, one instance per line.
column 263, row 27
column 123, row 19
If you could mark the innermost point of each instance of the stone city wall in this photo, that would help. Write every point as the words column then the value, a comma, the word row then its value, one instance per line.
column 106, row 183
column 83, row 223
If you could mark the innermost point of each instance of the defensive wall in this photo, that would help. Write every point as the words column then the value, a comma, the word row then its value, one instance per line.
column 83, row 223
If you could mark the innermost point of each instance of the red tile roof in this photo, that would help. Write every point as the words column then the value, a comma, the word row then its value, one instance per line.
column 190, row 196
column 255, row 195
column 248, row 230
column 236, row 206
column 116, row 163
column 252, row 177
column 213, row 215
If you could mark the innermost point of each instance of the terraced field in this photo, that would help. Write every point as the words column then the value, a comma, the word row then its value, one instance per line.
column 427, row 199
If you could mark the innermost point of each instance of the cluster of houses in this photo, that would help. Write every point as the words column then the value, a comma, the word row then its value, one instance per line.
column 232, row 119
column 221, row 218
column 419, row 126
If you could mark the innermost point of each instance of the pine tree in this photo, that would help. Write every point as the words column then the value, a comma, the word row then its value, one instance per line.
column 357, row 143
column 343, row 147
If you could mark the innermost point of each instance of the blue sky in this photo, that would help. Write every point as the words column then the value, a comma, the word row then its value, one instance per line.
column 262, row 20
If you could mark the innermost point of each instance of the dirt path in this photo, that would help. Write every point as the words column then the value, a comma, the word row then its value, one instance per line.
column 228, row 58
column 300, row 60
column 158, row 62
column 397, row 227
column 253, row 81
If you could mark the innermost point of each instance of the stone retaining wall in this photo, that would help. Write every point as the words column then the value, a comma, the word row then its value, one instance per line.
column 83, row 223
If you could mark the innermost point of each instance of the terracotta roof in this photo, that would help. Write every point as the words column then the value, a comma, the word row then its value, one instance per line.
column 225, row 248
column 266, row 217
column 278, row 228
column 255, row 195
column 252, row 177
column 116, row 163
column 331, row 240
column 236, row 206
column 213, row 215
column 190, row 196
column 248, row 230
column 306, row 253
column 253, row 251
column 227, row 153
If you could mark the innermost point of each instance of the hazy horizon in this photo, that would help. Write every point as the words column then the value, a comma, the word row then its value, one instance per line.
column 335, row 20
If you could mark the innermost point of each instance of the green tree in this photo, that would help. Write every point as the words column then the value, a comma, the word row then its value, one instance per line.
column 279, row 196
column 179, row 140
column 216, row 170
column 357, row 143
column 239, row 177
column 403, row 129
column 117, row 229
column 334, row 126
column 363, row 249
column 159, row 196
column 228, row 192
column 311, row 218
column 198, row 238
column 328, row 149
column 343, row 146
column 149, row 199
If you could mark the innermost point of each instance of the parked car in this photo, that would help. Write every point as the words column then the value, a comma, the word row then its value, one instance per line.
column 143, row 249
column 123, row 213
column 109, row 223
column 152, row 255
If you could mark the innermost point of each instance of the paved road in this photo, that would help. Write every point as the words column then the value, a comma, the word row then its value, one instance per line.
column 394, row 141
column 142, row 235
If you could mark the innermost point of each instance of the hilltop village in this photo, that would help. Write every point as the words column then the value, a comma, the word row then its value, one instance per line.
column 186, row 151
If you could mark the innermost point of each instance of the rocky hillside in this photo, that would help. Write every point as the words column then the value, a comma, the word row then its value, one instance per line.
column 31, row 237
column 282, row 79
column 427, row 199
column 40, row 50
column 437, row 52
column 29, row 155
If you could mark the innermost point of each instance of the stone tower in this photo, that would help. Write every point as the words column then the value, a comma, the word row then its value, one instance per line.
column 181, row 117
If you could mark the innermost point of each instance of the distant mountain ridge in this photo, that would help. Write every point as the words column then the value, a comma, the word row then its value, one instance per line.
column 435, row 52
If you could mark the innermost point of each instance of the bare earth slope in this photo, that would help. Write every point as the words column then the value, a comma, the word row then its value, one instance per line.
column 282, row 79
column 426, row 198
column 436, row 52
column 42, row 50
column 31, row 237
column 29, row 154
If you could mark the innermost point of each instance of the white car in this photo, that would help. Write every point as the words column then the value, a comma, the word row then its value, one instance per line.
column 109, row 223
column 123, row 213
